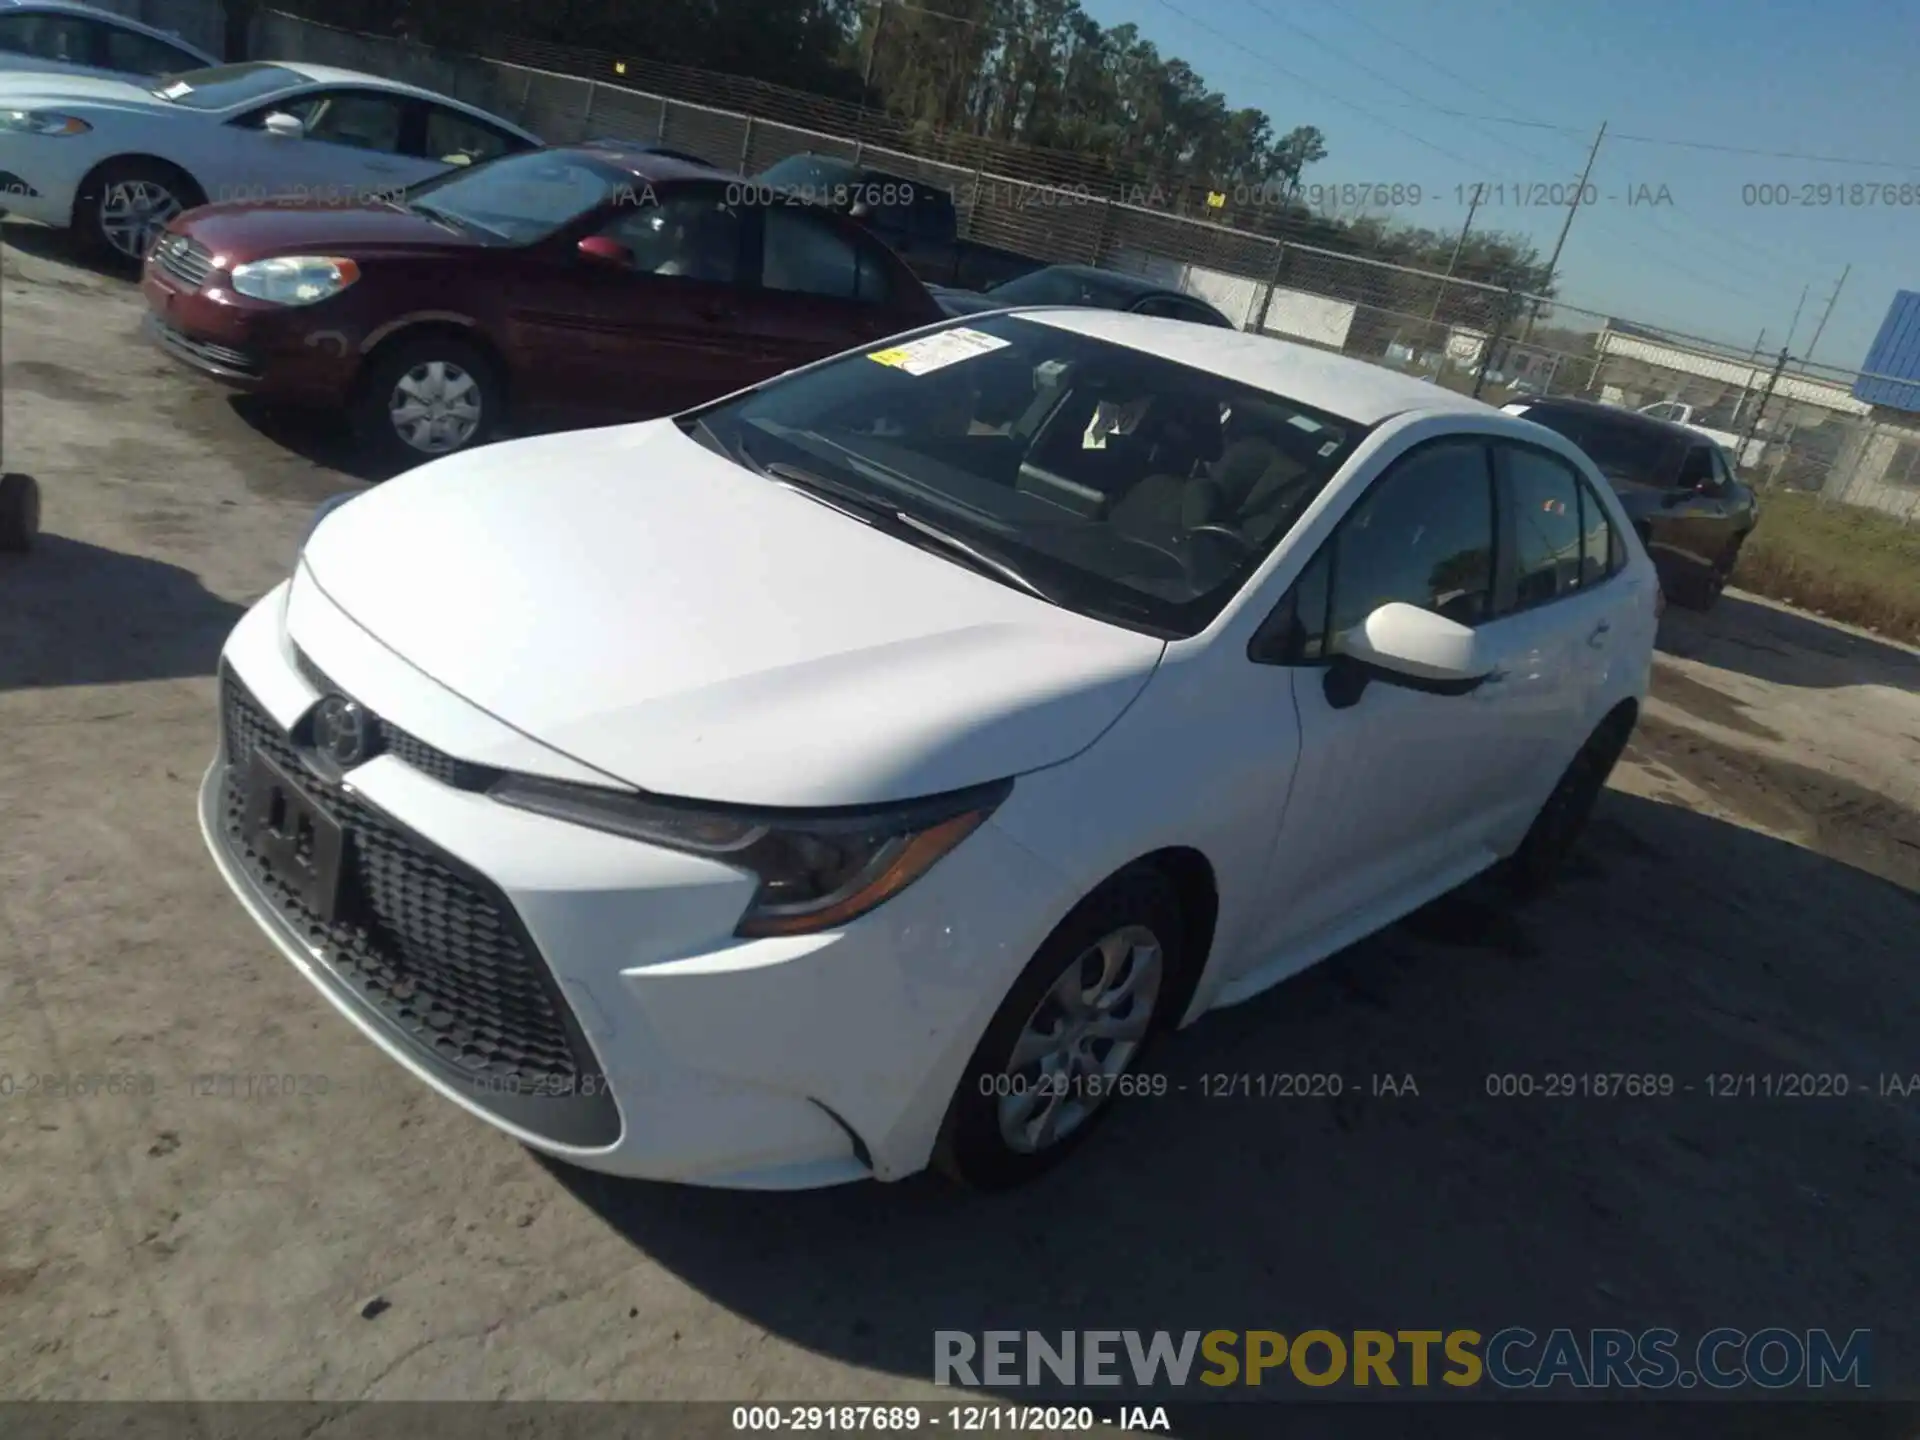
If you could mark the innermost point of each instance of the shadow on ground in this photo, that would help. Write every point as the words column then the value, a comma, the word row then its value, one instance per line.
column 319, row 437
column 1680, row 947
column 62, row 247
column 1785, row 647
column 78, row 614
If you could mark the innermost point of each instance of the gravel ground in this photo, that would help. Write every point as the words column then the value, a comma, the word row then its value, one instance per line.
column 1746, row 904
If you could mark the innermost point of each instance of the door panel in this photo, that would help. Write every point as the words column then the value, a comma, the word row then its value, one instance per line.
column 1559, row 614
column 354, row 147
column 1397, row 787
column 822, row 290
column 602, row 343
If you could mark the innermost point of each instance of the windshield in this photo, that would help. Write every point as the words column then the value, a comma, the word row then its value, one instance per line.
column 1620, row 449
column 1121, row 484
column 227, row 85
column 519, row 199
column 1066, row 287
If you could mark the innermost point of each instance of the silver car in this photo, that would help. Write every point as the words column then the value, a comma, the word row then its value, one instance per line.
column 59, row 37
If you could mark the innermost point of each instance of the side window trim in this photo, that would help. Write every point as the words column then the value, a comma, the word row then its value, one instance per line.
column 1261, row 646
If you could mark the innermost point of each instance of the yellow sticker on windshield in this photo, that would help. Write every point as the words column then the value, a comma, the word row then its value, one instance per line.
column 937, row 351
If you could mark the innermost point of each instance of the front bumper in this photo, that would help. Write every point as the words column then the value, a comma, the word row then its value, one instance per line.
column 39, row 176
column 692, row 1055
column 289, row 354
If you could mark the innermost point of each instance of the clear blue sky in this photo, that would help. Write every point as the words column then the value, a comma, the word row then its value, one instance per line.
column 1818, row 77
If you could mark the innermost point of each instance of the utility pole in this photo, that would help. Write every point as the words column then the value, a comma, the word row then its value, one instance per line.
column 1753, row 374
column 873, row 48
column 1796, row 315
column 1454, row 259
column 1579, row 192
column 1828, row 311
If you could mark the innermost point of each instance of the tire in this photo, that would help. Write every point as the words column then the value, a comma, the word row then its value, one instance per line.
column 126, row 203
column 1533, row 867
column 1716, row 579
column 19, row 512
column 455, row 381
column 1136, row 916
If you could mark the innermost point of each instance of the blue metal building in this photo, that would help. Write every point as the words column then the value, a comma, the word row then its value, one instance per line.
column 1892, row 367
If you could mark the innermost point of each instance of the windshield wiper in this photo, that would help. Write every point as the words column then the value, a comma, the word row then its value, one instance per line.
column 865, row 508
column 458, row 224
column 981, row 560
column 818, row 487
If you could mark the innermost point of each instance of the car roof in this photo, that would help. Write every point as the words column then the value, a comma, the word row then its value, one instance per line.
column 94, row 12
column 1615, row 415
column 637, row 159
column 861, row 167
column 1355, row 390
column 1139, row 285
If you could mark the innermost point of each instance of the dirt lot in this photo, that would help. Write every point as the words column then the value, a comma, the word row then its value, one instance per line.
column 1746, row 903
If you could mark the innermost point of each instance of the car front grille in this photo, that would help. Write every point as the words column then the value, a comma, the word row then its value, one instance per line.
column 431, row 948
column 225, row 358
column 408, row 749
column 183, row 260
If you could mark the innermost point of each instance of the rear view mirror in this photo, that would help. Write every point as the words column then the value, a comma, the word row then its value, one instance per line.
column 283, row 125
column 1404, row 645
column 604, row 251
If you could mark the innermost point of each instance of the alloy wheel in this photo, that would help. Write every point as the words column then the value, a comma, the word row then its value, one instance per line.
column 435, row 407
column 1080, row 1038
column 133, row 213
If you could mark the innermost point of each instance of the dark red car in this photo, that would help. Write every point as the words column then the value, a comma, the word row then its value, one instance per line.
column 580, row 286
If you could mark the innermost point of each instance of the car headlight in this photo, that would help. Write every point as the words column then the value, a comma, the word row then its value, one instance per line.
column 816, row 872
column 294, row 279
column 325, row 508
column 42, row 122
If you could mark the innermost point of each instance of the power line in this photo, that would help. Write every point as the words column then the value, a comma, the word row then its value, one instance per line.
column 1777, row 258
column 1673, row 140
column 1302, row 80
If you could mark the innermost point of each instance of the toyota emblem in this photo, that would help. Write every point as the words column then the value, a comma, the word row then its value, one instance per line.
column 343, row 731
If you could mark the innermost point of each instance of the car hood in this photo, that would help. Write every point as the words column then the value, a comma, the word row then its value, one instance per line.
column 247, row 229
column 641, row 604
column 28, row 90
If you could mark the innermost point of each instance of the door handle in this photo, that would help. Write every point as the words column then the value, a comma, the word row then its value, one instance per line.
column 1599, row 635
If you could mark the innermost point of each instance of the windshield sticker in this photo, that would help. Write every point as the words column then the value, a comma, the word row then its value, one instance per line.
column 936, row 352
column 176, row 90
column 1112, row 419
column 1328, row 448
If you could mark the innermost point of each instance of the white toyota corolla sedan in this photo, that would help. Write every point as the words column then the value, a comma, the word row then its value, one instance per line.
column 860, row 771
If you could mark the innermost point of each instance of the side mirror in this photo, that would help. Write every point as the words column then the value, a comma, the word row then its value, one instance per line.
column 604, row 251
column 1404, row 645
column 283, row 125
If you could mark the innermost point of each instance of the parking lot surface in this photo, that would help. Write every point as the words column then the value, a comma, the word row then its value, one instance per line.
column 1746, row 903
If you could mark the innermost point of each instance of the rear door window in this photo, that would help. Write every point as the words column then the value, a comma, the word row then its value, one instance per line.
column 1543, row 510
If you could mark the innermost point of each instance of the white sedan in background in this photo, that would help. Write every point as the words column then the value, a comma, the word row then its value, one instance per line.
column 860, row 771
column 59, row 37
column 115, row 160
